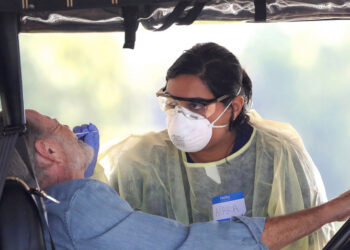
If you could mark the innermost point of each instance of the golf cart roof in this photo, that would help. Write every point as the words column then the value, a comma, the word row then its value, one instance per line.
column 109, row 15
column 113, row 15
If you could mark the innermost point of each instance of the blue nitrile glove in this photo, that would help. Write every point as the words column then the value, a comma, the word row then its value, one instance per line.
column 89, row 134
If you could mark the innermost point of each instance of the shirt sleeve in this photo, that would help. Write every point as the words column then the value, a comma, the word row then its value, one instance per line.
column 99, row 219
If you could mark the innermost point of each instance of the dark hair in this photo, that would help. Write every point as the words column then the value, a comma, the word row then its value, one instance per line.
column 220, row 70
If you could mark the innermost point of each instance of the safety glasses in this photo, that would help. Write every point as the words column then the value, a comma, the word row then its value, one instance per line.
column 202, row 107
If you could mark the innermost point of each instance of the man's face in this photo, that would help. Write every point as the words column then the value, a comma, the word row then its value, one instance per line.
column 78, row 153
column 49, row 125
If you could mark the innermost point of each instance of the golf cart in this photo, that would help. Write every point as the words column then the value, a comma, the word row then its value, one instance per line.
column 126, row 16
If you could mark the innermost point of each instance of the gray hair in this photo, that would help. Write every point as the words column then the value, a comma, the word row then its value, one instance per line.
column 17, row 166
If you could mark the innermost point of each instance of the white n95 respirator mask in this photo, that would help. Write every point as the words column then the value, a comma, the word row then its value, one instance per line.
column 189, row 131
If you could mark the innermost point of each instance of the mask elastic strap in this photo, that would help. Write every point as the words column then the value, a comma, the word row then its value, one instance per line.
column 239, row 91
column 223, row 112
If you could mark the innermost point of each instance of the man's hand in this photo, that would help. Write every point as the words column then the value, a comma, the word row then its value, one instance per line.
column 283, row 230
column 89, row 134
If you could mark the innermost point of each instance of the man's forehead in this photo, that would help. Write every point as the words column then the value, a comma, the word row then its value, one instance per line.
column 39, row 119
column 33, row 115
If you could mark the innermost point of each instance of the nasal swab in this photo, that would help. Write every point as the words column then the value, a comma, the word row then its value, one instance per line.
column 84, row 133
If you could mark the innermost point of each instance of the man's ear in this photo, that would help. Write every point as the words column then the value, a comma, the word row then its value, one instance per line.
column 48, row 150
column 237, row 105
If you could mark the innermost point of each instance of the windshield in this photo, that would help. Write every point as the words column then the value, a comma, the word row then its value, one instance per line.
column 300, row 74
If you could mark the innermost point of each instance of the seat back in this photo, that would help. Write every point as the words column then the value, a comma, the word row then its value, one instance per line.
column 20, row 221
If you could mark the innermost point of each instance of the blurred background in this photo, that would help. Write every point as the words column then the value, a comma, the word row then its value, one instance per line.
column 300, row 73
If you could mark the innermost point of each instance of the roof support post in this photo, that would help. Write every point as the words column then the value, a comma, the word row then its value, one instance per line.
column 10, row 71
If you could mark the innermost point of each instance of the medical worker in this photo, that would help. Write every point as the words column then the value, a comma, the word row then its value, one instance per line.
column 217, row 158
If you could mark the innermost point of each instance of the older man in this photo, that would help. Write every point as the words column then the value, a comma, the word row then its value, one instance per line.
column 91, row 215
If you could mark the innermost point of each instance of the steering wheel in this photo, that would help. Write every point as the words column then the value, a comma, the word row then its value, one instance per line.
column 341, row 240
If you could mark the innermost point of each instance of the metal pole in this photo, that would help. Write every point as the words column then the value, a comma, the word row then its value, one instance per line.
column 10, row 71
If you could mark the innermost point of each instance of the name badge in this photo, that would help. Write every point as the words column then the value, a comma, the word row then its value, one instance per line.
column 228, row 205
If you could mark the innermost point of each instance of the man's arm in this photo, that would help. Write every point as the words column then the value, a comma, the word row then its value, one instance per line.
column 92, row 216
column 283, row 230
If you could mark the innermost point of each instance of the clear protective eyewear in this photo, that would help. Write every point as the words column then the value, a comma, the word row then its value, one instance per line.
column 200, row 108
